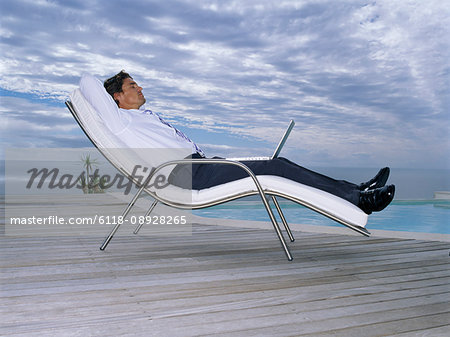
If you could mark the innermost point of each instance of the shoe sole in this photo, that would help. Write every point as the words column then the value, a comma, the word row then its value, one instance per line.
column 381, row 182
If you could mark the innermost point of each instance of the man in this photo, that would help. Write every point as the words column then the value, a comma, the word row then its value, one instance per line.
column 148, row 128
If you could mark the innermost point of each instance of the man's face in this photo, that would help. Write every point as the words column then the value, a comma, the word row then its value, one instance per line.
column 131, row 96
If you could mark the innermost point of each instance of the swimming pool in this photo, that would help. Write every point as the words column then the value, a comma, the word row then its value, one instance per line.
column 427, row 216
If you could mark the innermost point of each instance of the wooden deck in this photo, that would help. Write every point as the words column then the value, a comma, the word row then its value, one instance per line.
column 222, row 281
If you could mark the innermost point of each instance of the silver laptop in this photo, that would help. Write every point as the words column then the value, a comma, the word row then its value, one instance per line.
column 283, row 139
column 278, row 148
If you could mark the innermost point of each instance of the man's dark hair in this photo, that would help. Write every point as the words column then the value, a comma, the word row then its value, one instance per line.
column 114, row 84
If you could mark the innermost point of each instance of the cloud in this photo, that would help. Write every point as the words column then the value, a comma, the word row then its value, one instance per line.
column 27, row 123
column 366, row 82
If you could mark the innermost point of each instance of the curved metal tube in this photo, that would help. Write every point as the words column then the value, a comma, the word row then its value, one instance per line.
column 204, row 161
column 138, row 228
column 283, row 219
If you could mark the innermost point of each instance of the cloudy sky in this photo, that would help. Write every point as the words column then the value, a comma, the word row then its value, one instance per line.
column 367, row 82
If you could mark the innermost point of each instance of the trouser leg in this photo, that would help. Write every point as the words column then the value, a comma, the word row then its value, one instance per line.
column 287, row 169
column 208, row 175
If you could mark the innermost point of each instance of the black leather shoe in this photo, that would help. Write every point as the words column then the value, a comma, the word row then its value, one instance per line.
column 376, row 182
column 377, row 199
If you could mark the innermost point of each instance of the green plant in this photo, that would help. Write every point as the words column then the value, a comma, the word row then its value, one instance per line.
column 88, row 164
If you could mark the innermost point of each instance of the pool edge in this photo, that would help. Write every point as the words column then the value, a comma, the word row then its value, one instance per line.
column 323, row 229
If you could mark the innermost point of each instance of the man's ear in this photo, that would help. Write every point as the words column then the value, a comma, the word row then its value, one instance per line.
column 116, row 97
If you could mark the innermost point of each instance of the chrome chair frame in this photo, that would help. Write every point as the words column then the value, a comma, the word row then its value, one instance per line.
column 157, row 198
column 263, row 194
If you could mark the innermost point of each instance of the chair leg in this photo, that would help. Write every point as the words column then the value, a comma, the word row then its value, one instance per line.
column 138, row 228
column 283, row 219
column 124, row 214
column 276, row 226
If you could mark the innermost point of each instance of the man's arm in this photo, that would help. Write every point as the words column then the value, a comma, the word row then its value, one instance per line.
column 94, row 92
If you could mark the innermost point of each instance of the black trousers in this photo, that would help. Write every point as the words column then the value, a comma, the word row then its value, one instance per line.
column 208, row 175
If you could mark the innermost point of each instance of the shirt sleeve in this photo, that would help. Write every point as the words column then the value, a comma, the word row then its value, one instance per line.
column 95, row 93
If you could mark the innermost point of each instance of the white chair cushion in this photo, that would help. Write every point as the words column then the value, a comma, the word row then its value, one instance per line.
column 126, row 159
column 319, row 199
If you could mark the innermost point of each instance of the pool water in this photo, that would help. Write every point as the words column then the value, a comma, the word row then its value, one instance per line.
column 428, row 216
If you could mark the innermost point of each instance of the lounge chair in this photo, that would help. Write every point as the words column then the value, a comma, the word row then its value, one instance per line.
column 265, row 186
